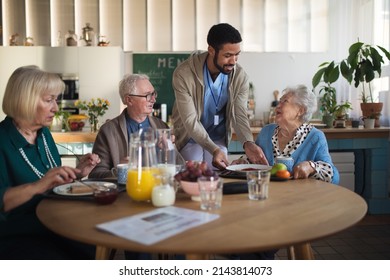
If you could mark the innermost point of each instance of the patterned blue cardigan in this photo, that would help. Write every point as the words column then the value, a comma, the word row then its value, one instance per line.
column 315, row 148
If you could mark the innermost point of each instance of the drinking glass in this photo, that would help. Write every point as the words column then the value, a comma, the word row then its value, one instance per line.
column 166, row 153
column 210, row 190
column 258, row 183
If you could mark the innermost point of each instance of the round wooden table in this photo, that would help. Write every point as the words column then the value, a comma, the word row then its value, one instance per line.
column 296, row 213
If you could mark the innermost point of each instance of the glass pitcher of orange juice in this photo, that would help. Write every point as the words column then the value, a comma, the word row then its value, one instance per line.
column 142, row 165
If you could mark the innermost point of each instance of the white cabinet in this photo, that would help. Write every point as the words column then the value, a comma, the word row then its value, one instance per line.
column 345, row 163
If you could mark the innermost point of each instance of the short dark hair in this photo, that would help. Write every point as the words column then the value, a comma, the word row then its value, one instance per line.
column 221, row 34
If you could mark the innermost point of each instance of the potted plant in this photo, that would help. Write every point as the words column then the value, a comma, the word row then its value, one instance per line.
column 328, row 74
column 363, row 63
column 369, row 120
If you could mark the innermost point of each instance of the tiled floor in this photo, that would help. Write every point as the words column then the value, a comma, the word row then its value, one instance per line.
column 368, row 240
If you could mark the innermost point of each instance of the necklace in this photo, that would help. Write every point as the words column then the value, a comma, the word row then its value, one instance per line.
column 48, row 155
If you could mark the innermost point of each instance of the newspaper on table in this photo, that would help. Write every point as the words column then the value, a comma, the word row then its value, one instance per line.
column 153, row 226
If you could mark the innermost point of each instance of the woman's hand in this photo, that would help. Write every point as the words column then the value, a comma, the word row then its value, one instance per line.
column 303, row 170
column 57, row 176
column 87, row 163
column 19, row 195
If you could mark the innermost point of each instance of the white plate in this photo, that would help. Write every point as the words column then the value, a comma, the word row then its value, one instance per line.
column 65, row 189
column 241, row 167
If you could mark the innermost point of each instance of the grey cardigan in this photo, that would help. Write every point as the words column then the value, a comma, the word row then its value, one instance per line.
column 189, row 98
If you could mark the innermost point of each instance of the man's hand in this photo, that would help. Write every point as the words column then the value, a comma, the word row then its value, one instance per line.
column 255, row 153
column 220, row 159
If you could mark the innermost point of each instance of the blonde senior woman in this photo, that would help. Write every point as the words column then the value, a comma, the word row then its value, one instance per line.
column 30, row 166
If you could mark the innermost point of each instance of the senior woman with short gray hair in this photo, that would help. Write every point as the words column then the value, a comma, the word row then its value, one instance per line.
column 293, row 136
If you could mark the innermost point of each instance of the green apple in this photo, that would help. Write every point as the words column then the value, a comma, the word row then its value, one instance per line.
column 278, row 166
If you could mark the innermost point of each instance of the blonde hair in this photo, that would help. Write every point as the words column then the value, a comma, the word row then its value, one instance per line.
column 24, row 89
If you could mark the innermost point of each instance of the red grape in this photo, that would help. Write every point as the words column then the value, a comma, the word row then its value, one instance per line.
column 194, row 170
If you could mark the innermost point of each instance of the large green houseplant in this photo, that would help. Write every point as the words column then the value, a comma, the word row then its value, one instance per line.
column 363, row 64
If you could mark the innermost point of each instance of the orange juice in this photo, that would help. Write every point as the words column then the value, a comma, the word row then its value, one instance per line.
column 140, row 183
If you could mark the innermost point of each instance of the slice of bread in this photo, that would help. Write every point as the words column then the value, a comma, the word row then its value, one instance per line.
column 80, row 189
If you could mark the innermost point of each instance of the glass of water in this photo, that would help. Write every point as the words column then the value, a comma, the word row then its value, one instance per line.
column 258, row 184
column 210, row 191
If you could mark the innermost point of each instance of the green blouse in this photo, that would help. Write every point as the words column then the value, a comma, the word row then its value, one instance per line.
column 15, row 171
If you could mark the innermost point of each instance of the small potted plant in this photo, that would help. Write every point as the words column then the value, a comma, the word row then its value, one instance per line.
column 369, row 121
column 328, row 74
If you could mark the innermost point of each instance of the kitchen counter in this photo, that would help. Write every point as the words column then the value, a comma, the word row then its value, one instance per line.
column 74, row 137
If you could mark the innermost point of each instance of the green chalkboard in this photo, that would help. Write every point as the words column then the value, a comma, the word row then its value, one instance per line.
column 159, row 67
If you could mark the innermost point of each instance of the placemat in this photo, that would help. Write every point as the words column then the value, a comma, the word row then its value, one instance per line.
column 235, row 188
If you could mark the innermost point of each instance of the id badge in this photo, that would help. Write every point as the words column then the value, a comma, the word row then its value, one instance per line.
column 216, row 119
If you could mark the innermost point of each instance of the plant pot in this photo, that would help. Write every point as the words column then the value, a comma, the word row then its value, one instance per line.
column 369, row 123
column 328, row 121
column 370, row 109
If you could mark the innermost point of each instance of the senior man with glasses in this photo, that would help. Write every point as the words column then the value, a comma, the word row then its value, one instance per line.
column 112, row 140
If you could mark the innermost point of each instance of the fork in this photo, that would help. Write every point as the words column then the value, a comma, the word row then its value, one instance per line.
column 85, row 184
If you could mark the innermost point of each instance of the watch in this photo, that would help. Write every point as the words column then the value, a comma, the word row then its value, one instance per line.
column 312, row 164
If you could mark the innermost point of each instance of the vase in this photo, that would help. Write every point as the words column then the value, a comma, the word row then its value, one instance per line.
column 94, row 124
column 369, row 123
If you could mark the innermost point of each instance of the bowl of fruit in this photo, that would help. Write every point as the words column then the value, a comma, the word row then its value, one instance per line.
column 77, row 122
column 279, row 172
column 188, row 177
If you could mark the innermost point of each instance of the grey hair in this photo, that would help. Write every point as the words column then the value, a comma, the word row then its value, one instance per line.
column 303, row 98
column 128, row 85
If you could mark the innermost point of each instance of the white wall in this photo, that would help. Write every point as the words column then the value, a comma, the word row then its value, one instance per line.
column 276, row 71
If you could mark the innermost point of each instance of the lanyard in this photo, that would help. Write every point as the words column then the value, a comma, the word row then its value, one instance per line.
column 216, row 101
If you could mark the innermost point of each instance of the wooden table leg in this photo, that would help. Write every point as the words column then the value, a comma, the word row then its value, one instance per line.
column 290, row 253
column 303, row 252
column 197, row 257
column 102, row 252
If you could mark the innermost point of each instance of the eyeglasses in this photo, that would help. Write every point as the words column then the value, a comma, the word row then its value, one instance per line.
column 148, row 97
